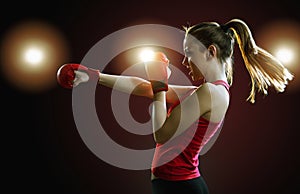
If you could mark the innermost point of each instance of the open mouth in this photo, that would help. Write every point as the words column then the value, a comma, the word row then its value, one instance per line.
column 190, row 70
column 190, row 73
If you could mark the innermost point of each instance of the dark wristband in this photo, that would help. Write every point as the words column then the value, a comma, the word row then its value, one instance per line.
column 158, row 86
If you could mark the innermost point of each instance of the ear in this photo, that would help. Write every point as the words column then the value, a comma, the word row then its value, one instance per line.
column 212, row 51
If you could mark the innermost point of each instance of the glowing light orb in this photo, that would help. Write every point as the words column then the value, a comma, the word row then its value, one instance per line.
column 147, row 55
column 285, row 55
column 31, row 53
column 281, row 38
column 33, row 56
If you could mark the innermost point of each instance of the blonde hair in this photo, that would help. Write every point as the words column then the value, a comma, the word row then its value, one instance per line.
column 264, row 69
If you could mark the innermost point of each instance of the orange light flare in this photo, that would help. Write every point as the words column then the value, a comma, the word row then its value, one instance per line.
column 282, row 39
column 31, row 53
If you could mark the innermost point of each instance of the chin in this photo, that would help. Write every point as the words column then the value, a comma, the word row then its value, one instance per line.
column 198, row 80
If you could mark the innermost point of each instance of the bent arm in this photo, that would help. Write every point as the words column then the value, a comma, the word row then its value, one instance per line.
column 182, row 116
column 159, row 114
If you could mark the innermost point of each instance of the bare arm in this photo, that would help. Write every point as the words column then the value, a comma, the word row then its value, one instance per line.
column 141, row 87
column 128, row 84
column 159, row 114
column 200, row 103
column 178, row 121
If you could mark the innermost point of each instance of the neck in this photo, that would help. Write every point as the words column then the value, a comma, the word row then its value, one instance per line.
column 216, row 72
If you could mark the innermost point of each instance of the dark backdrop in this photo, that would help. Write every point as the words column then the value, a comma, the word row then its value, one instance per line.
column 257, row 151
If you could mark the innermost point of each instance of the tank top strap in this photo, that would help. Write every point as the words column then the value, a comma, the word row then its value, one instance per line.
column 223, row 83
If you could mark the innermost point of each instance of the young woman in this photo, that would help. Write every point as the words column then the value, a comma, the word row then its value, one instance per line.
column 182, row 131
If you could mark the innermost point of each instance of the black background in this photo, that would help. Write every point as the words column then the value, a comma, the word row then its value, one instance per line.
column 42, row 151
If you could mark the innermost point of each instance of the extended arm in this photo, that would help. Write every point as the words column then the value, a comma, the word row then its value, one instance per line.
column 71, row 75
column 128, row 84
column 141, row 87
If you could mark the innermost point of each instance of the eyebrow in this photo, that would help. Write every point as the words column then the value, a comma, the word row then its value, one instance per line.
column 187, row 49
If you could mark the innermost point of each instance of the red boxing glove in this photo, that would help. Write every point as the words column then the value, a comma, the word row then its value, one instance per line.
column 157, row 72
column 66, row 74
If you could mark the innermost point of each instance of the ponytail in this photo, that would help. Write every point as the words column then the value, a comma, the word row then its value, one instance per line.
column 264, row 69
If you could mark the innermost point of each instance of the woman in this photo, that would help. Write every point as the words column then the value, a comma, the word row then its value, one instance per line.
column 197, row 112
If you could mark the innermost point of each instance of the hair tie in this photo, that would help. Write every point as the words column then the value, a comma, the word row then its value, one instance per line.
column 224, row 28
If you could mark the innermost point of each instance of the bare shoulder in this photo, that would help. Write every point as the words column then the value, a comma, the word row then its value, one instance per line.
column 215, row 99
column 176, row 92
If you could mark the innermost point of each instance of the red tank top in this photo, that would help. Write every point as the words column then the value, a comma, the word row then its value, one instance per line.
column 179, row 159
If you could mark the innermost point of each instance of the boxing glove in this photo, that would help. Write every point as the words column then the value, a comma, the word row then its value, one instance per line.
column 69, row 73
column 157, row 72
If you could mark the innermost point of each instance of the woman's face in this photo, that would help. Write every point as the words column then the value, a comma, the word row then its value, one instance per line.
column 194, row 59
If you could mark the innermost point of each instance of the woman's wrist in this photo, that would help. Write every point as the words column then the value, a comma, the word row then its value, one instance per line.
column 158, row 86
column 159, row 96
